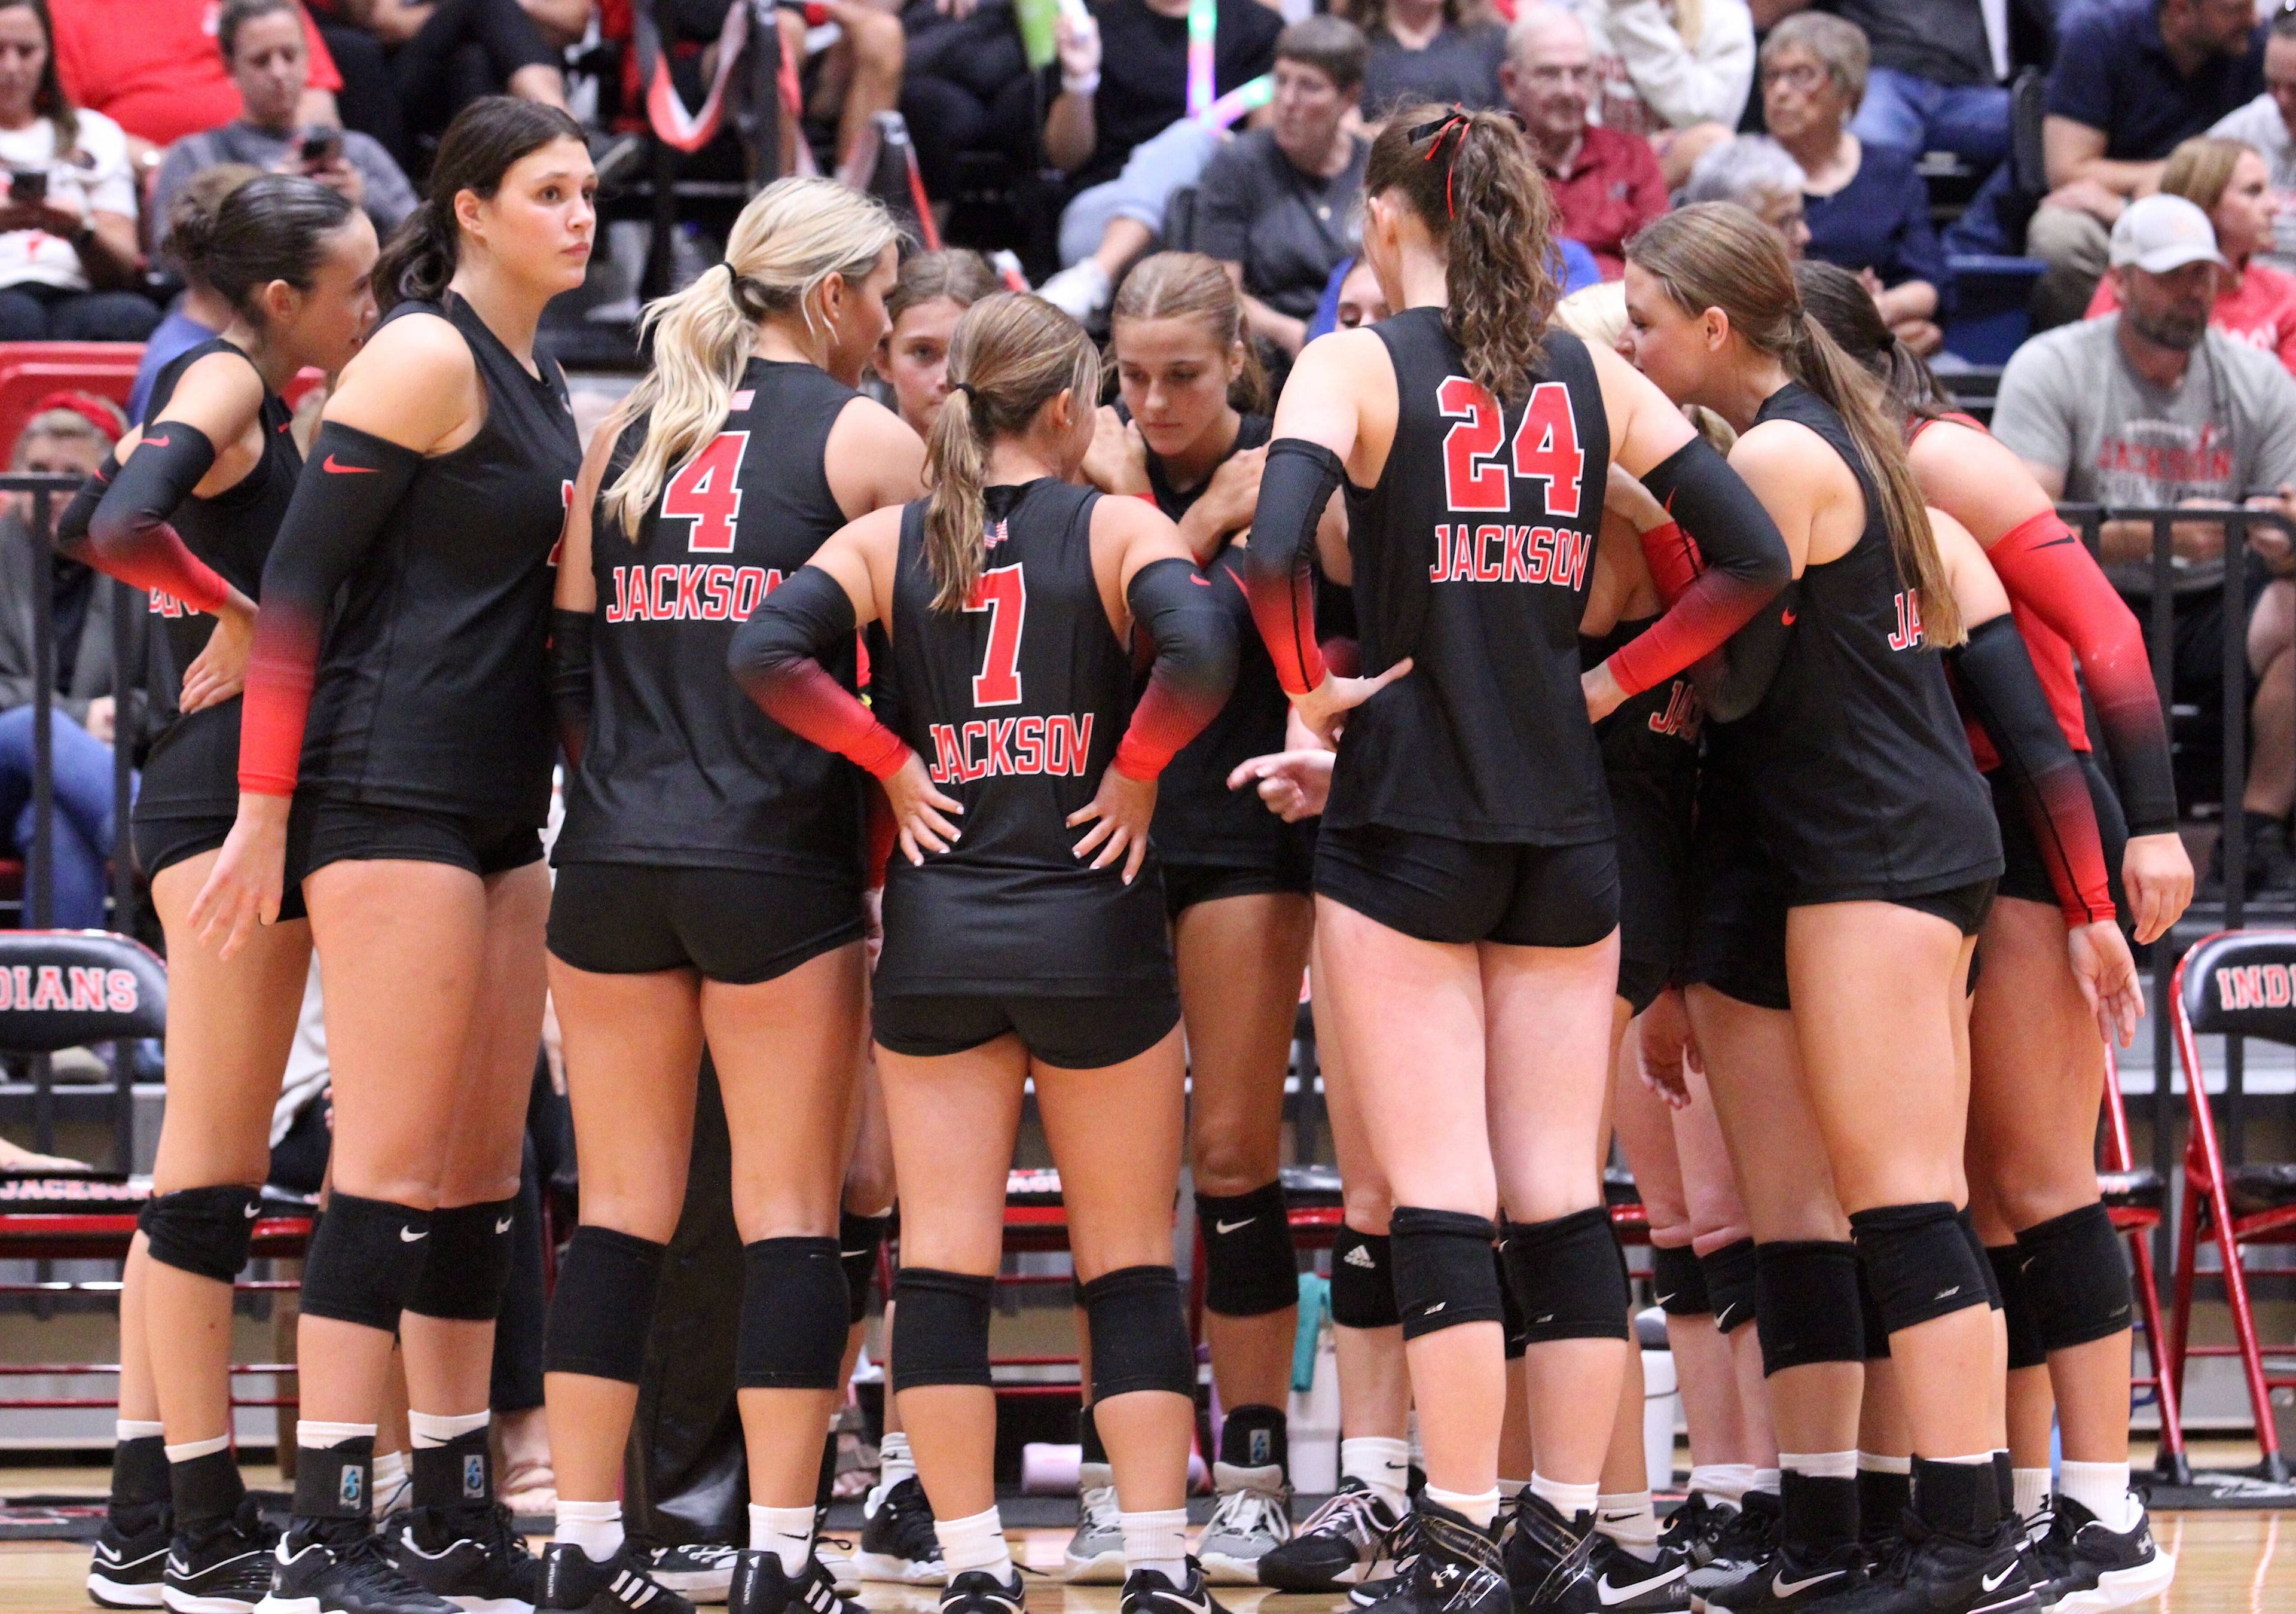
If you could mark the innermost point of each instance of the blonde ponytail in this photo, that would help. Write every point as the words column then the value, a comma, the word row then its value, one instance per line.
column 794, row 234
column 1010, row 357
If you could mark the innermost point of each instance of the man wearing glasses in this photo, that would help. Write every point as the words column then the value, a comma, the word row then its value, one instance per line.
column 1605, row 185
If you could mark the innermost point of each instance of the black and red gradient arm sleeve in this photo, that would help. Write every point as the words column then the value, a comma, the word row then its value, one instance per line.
column 1726, row 558
column 1279, row 565
column 2004, row 694
column 79, row 509
column 348, row 488
column 776, row 657
column 570, row 691
column 2047, row 570
column 1195, row 670
column 126, row 534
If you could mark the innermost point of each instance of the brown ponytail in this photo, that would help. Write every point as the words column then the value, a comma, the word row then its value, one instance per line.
column 1834, row 298
column 1718, row 254
column 1189, row 285
column 1010, row 356
column 1470, row 179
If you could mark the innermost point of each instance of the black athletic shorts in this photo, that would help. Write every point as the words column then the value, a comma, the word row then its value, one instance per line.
column 163, row 840
column 1068, row 1033
column 1186, row 884
column 1653, row 886
column 1438, row 889
column 735, row 926
column 2025, row 876
column 323, row 832
column 1737, row 941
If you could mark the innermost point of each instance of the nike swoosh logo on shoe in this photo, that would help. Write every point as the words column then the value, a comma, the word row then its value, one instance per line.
column 1610, row 1594
column 1992, row 1582
column 1780, row 1587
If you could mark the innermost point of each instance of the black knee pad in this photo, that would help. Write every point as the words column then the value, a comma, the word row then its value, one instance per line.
column 1806, row 1303
column 202, row 1231
column 2018, row 1315
column 1919, row 1263
column 793, row 1327
column 859, row 1241
column 1730, row 1284
column 1679, row 1280
column 1249, row 1267
column 2078, row 1274
column 603, row 1308
column 365, row 1261
column 1512, row 1329
column 466, row 1265
column 1967, row 1218
column 1139, row 1333
column 940, row 1328
column 1444, row 1275
column 1567, row 1276
column 1363, row 1280
column 1869, row 1315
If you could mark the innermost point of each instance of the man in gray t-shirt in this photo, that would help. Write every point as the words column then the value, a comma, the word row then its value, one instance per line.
column 2151, row 408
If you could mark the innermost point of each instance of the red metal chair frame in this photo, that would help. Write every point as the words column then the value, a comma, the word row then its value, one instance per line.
column 2208, row 1208
column 2136, row 1223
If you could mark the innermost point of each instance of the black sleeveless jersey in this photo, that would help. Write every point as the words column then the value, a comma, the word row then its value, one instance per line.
column 432, row 691
column 193, row 770
column 1472, row 556
column 1016, row 705
column 1652, row 739
column 1855, row 760
column 1199, row 820
column 682, row 768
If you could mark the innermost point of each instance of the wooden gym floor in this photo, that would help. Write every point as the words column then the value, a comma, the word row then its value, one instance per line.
column 2228, row 1563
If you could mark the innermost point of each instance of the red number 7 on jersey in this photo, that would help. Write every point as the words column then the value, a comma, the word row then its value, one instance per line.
column 1004, row 595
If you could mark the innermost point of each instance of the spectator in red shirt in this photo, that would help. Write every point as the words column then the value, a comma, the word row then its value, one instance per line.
column 2228, row 180
column 153, row 68
column 1606, row 185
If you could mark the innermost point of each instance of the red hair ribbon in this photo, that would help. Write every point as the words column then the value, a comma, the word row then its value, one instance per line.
column 1454, row 121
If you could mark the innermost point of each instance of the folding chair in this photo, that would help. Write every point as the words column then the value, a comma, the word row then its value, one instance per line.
column 2235, row 983
column 2137, row 1200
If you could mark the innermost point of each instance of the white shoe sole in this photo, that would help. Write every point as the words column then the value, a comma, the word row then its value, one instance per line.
column 492, row 1605
column 276, row 1604
column 188, row 1603
column 2119, row 1588
column 1227, row 1570
column 1105, row 1569
column 118, row 1594
column 696, row 1585
column 898, row 1571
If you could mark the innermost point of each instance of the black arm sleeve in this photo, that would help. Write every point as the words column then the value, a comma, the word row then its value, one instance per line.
column 1996, row 679
column 569, row 680
column 72, row 525
column 1279, row 565
column 128, row 536
column 1195, row 668
column 353, row 482
column 776, row 657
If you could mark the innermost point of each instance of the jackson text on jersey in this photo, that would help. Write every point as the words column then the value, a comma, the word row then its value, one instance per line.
column 1478, row 465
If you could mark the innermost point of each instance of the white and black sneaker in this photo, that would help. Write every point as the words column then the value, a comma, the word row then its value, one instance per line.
column 1457, row 1570
column 1335, row 1546
column 977, row 1591
column 1936, row 1571
column 1694, row 1528
column 1739, row 1548
column 129, row 1568
column 1788, row 1581
column 473, row 1556
column 1152, row 1592
column 2091, row 1568
column 1252, row 1519
column 700, row 1572
column 575, row 1583
column 898, row 1543
column 1390, row 1569
column 1095, row 1553
column 331, row 1572
column 223, row 1568
column 762, row 1587
column 1622, row 1582
column 1550, row 1560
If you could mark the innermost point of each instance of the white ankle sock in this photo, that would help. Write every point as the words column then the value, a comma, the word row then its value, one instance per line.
column 595, row 1527
column 787, row 1533
column 1509, row 1489
column 136, row 1428
column 2102, row 1488
column 1567, row 1500
column 389, row 1479
column 431, row 1429
column 196, row 1449
column 1382, row 1463
column 893, row 1462
column 1881, row 1463
column 1764, row 1479
column 1157, row 1541
column 1475, row 1510
column 976, row 1542
column 1721, row 1482
column 2033, row 1490
column 1821, row 1465
column 322, row 1436
column 1627, row 1518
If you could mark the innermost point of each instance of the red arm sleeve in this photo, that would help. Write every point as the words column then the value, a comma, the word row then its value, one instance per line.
column 776, row 655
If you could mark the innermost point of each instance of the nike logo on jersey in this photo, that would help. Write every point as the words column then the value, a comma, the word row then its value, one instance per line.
column 1781, row 1587
column 1201, row 581
column 1232, row 1226
column 157, row 442
column 408, row 1235
column 1610, row 1594
column 340, row 469
column 502, row 1225
column 1786, row 617
column 2053, row 543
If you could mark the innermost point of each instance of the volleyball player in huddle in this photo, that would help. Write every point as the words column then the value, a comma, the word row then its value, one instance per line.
column 710, row 868
column 1452, row 872
column 1860, row 872
column 2036, row 1059
column 188, row 508
column 1025, row 932
column 1189, row 437
column 397, row 692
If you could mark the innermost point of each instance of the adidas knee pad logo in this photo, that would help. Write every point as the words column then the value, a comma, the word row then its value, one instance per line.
column 1357, row 1255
